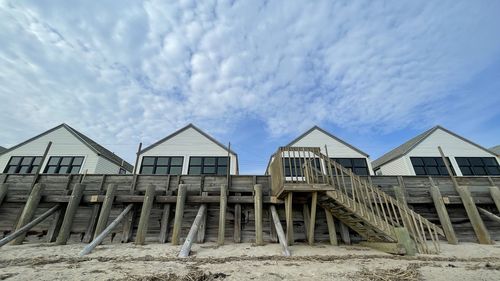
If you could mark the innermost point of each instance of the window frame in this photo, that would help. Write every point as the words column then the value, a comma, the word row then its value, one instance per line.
column 352, row 166
column 426, row 167
column 70, row 166
column 471, row 166
column 155, row 165
column 31, row 169
column 216, row 166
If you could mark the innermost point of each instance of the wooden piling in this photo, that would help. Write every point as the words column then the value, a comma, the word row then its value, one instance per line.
column 222, row 215
column 55, row 226
column 289, row 218
column 488, row 214
column 128, row 224
column 147, row 205
column 96, row 210
column 279, row 231
column 3, row 192
column 332, row 233
column 28, row 211
column 179, row 213
column 495, row 195
column 312, row 222
column 186, row 247
column 237, row 222
column 307, row 219
column 344, row 234
column 203, row 225
column 165, row 216
column 76, row 197
column 444, row 219
column 258, row 214
column 102, row 222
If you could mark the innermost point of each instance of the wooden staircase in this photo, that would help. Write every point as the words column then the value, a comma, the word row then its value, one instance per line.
column 354, row 201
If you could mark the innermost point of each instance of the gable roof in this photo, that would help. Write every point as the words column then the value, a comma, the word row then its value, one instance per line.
column 97, row 148
column 2, row 149
column 189, row 126
column 412, row 143
column 495, row 149
column 331, row 136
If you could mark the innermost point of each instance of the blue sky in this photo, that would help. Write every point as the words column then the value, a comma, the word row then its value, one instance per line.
column 255, row 73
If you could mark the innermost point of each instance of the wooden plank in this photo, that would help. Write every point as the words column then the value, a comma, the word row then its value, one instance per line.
column 179, row 213
column 400, row 191
column 344, row 234
column 128, row 225
column 28, row 211
column 289, row 218
column 332, row 233
column 495, row 195
column 186, row 247
column 102, row 222
column 258, row 214
column 55, row 226
column 490, row 215
column 222, row 215
column 3, row 192
column 76, row 196
column 444, row 219
column 165, row 217
column 237, row 222
column 96, row 209
column 307, row 219
column 142, row 229
column 312, row 223
column 279, row 231
column 386, row 247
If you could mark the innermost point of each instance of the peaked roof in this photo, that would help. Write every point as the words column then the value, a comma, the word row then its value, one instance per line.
column 97, row 148
column 330, row 135
column 189, row 126
column 495, row 149
column 412, row 143
column 2, row 149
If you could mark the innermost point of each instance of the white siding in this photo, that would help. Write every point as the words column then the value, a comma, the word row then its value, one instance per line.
column 104, row 166
column 63, row 144
column 336, row 149
column 189, row 143
column 451, row 145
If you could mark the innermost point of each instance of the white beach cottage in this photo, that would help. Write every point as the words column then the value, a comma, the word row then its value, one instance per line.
column 188, row 151
column 71, row 152
column 342, row 152
column 420, row 156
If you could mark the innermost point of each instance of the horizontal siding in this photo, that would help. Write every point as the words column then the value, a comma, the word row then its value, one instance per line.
column 396, row 167
column 104, row 166
column 63, row 144
column 186, row 144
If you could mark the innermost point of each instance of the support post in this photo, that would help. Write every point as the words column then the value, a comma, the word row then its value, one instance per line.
column 444, row 219
column 222, row 215
column 186, row 247
column 289, row 218
column 312, row 221
column 495, row 194
column 307, row 219
column 55, row 227
column 28, row 211
column 94, row 217
column 3, row 192
column 147, row 205
column 405, row 241
column 165, row 216
column 490, row 215
column 344, row 234
column 237, row 222
column 258, row 214
column 98, row 240
column 279, row 231
column 76, row 197
column 179, row 213
column 102, row 222
column 332, row 233
column 203, row 224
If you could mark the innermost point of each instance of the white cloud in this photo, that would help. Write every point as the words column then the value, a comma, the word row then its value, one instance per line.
column 128, row 71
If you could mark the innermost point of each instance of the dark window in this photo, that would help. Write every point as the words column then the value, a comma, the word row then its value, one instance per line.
column 432, row 166
column 64, row 165
column 295, row 166
column 356, row 165
column 162, row 165
column 478, row 166
column 208, row 166
column 122, row 171
column 23, row 164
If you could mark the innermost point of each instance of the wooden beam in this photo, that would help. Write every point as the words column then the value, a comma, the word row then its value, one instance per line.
column 307, row 219
column 495, row 195
column 55, row 226
column 165, row 215
column 96, row 209
column 312, row 223
column 279, row 231
column 102, row 222
column 490, row 215
column 405, row 241
column 203, row 225
column 259, row 240
column 222, row 215
column 142, row 229
column 28, row 211
column 444, row 219
column 179, row 213
column 128, row 224
column 186, row 247
column 106, row 231
column 237, row 222
column 344, row 234
column 400, row 191
column 3, row 192
column 76, row 197
column 332, row 233
column 28, row 226
column 289, row 218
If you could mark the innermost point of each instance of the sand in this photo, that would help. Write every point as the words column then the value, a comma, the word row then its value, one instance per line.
column 467, row 261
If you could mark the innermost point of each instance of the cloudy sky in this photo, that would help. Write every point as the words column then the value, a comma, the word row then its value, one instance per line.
column 253, row 73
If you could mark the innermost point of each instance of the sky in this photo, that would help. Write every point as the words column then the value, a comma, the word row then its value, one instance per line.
column 254, row 73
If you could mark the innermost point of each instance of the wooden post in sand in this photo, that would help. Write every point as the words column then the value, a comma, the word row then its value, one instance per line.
column 289, row 218
column 332, row 233
column 279, row 230
column 142, row 229
column 74, row 202
column 28, row 211
column 102, row 222
column 222, row 215
column 312, row 221
column 444, row 219
column 3, row 192
column 179, row 213
column 186, row 247
column 258, row 214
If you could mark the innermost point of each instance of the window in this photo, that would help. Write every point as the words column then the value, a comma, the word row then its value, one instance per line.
column 432, row 166
column 356, row 165
column 122, row 171
column 294, row 166
column 478, row 166
column 64, row 165
column 208, row 165
column 161, row 165
column 23, row 164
